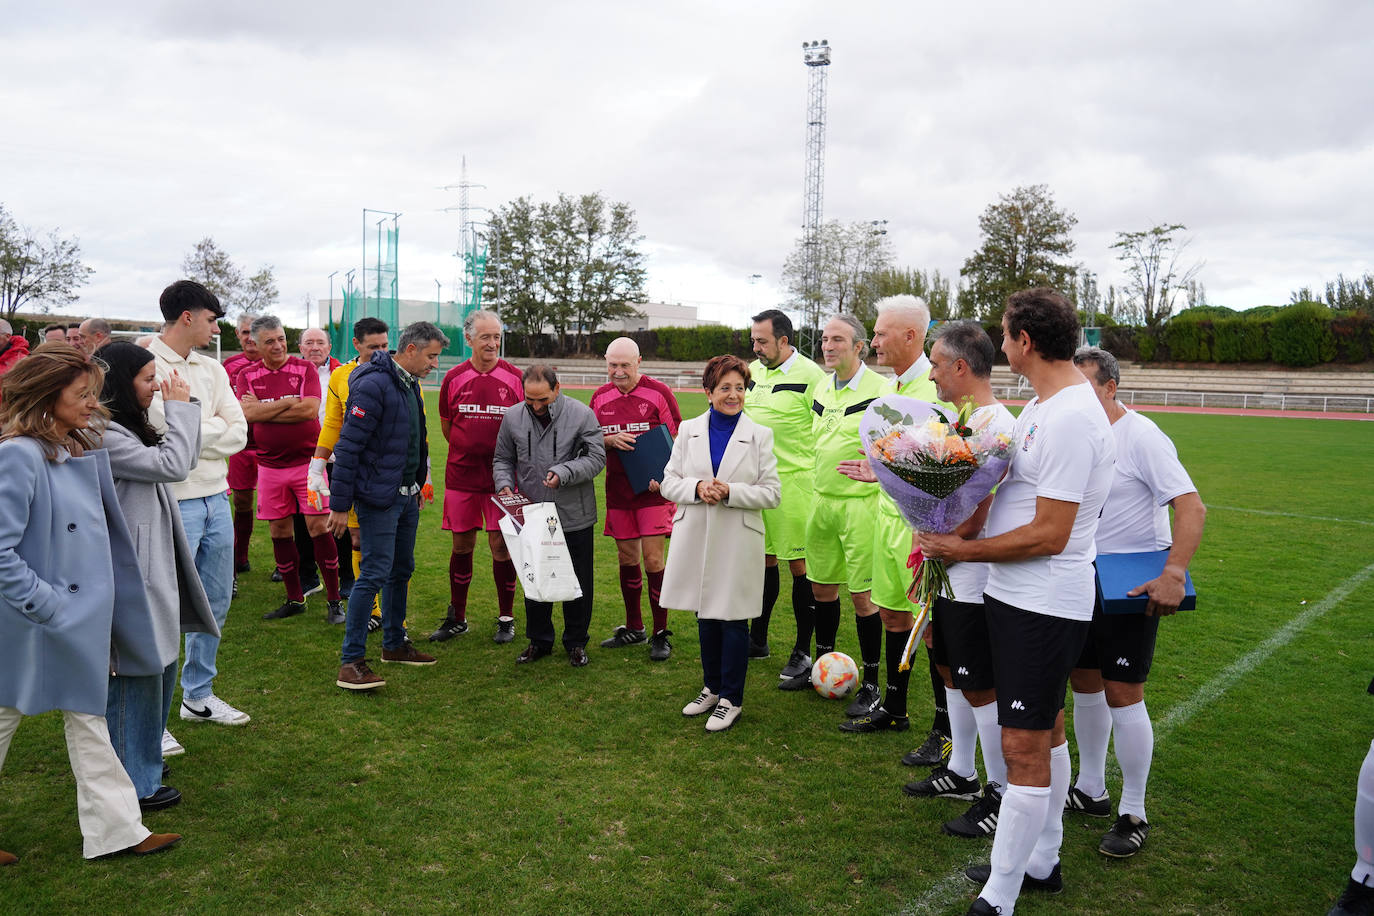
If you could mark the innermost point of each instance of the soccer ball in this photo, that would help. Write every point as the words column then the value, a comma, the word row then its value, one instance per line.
column 834, row 675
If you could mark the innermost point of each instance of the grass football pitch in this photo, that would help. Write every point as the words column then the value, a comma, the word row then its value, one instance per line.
column 477, row 786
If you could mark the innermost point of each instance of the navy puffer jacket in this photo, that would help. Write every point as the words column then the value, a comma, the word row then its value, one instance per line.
column 370, row 456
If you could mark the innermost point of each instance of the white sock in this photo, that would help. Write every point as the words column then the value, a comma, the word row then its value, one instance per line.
column 963, row 733
column 1024, row 809
column 1135, row 748
column 1364, row 822
column 1092, row 726
column 1045, row 855
column 990, row 739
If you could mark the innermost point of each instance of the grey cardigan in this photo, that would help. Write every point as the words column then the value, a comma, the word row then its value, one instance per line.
column 143, row 475
column 571, row 446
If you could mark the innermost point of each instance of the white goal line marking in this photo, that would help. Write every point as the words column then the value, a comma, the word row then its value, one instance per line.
column 945, row 892
column 1310, row 518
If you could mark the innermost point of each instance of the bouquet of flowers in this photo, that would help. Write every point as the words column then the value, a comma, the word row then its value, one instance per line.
column 937, row 469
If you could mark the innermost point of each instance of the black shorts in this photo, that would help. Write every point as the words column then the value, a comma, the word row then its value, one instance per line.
column 961, row 633
column 1032, row 655
column 1122, row 646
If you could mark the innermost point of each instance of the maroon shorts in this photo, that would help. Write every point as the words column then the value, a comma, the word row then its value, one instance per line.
column 468, row 511
column 243, row 470
column 627, row 524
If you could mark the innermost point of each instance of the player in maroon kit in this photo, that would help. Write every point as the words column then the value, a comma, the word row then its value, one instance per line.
column 630, row 404
column 472, row 400
column 281, row 401
column 243, row 466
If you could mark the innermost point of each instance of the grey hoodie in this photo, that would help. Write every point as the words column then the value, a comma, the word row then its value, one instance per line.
column 571, row 446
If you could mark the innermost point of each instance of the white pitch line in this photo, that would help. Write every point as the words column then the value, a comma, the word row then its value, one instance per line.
column 1217, row 686
column 1310, row 518
column 944, row 893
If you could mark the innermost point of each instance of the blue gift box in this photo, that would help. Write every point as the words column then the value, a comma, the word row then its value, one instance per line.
column 1118, row 573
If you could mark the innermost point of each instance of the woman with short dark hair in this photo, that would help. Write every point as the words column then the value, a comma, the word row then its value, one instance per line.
column 722, row 475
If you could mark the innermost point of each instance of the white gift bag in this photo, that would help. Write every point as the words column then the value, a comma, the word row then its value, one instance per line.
column 540, row 554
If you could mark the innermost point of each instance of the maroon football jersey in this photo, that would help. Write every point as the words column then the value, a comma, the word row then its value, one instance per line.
column 473, row 403
column 648, row 404
column 282, row 445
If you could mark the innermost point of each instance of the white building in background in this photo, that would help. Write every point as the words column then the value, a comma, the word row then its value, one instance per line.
column 652, row 315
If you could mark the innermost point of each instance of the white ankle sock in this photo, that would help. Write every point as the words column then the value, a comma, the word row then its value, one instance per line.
column 990, row 739
column 1135, row 748
column 963, row 733
column 1092, row 727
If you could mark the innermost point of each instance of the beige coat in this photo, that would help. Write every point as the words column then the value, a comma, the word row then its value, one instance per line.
column 715, row 563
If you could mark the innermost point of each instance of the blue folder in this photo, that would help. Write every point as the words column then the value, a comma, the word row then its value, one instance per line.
column 648, row 458
column 1118, row 573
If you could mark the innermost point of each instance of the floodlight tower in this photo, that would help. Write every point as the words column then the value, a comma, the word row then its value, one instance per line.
column 816, row 56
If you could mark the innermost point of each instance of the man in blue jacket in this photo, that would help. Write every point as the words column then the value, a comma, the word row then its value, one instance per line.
column 381, row 463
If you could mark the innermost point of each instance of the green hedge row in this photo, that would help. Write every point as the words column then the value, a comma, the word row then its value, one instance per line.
column 1302, row 334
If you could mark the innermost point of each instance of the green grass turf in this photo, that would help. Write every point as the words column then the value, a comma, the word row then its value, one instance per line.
column 480, row 787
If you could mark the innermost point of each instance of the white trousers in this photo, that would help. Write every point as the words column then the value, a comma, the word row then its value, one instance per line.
column 106, row 805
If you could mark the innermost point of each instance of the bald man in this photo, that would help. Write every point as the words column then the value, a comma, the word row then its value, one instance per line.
column 627, row 406
column 95, row 333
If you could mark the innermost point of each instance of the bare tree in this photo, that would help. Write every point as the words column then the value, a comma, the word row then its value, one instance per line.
column 31, row 271
column 848, row 258
column 1154, row 276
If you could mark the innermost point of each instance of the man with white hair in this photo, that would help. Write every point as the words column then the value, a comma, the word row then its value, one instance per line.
column 899, row 337
column 95, row 333
column 473, row 399
column 839, row 534
column 627, row 406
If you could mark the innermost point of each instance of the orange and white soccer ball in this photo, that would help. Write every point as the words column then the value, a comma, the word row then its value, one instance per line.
column 834, row 675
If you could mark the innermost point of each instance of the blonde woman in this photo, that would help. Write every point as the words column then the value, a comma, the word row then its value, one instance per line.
column 66, row 564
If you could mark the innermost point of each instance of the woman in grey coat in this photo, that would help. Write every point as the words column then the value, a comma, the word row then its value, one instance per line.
column 64, row 553
column 144, row 465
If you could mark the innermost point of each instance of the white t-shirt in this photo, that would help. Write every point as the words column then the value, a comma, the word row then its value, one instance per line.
column 1148, row 475
column 1062, row 449
column 968, row 579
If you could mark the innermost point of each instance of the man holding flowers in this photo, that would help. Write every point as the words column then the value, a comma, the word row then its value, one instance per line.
column 1040, row 589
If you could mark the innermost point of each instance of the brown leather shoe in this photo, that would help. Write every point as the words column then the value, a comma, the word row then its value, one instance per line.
column 407, row 654
column 533, row 652
column 7, row 858
column 357, row 675
column 577, row 657
column 156, row 842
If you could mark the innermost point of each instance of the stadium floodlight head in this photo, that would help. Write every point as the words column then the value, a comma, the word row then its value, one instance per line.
column 816, row 53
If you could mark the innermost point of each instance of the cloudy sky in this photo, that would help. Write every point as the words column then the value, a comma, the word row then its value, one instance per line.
column 143, row 126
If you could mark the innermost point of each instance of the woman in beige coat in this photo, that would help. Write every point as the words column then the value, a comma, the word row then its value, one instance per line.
column 721, row 474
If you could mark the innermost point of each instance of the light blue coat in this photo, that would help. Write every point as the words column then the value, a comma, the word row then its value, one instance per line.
column 67, row 567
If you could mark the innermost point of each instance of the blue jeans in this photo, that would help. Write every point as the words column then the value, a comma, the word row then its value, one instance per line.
column 724, row 657
column 388, row 549
column 210, row 531
column 136, row 711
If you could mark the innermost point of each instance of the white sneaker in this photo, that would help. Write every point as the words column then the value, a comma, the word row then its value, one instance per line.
column 703, row 703
column 725, row 715
column 171, row 746
column 212, row 709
